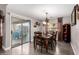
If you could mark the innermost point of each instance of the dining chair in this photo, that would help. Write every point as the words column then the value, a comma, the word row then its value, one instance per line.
column 52, row 40
column 38, row 41
column 36, row 34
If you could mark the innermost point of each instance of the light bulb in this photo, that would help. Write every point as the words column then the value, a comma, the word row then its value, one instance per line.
column 44, row 22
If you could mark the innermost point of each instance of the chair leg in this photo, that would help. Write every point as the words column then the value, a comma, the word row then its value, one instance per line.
column 55, row 43
column 46, row 49
column 41, row 48
column 51, row 46
column 34, row 46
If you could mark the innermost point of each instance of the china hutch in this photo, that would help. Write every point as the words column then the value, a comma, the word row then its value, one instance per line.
column 67, row 33
column 1, row 27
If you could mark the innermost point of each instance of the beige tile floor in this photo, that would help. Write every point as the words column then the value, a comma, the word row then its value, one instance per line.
column 62, row 48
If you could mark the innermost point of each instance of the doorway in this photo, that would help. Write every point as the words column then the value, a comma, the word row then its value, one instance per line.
column 20, row 31
column 60, row 29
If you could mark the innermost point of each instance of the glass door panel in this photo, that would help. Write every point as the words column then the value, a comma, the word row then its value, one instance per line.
column 20, row 32
column 16, row 34
column 25, row 31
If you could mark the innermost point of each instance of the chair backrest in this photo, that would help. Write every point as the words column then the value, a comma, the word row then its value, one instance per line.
column 38, row 36
column 37, row 33
column 54, row 35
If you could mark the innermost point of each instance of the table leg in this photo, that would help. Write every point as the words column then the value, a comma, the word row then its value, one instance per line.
column 34, row 44
column 46, row 45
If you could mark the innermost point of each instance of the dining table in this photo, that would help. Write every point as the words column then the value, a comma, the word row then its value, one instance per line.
column 46, row 39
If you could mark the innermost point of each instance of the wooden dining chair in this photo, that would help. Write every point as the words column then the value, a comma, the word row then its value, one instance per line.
column 38, row 41
column 52, row 40
column 36, row 35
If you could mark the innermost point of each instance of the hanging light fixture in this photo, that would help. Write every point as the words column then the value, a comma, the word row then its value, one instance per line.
column 46, row 23
column 46, row 20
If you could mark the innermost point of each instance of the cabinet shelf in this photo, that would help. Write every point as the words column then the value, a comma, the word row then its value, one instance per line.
column 66, row 32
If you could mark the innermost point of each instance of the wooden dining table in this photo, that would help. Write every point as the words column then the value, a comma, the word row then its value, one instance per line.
column 46, row 39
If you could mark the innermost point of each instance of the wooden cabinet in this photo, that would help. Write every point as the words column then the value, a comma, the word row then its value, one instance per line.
column 67, row 33
column 0, row 42
column 1, row 28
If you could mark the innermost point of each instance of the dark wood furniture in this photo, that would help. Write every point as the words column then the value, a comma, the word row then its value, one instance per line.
column 38, row 33
column 1, row 28
column 54, row 37
column 52, row 40
column 36, row 37
column 0, row 42
column 38, row 40
column 67, row 33
column 45, row 41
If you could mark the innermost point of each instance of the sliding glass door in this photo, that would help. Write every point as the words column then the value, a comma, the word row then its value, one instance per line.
column 25, row 32
column 16, row 34
column 20, row 32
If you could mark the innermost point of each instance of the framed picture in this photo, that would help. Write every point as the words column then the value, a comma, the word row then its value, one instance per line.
column 73, row 17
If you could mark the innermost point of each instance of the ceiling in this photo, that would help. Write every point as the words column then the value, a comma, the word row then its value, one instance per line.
column 38, row 11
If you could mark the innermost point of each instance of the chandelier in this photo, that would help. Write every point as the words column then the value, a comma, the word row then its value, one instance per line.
column 46, row 22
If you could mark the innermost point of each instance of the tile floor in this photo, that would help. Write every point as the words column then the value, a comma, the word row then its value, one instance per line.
column 62, row 48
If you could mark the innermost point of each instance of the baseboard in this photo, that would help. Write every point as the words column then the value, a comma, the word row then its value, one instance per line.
column 6, row 48
column 73, row 49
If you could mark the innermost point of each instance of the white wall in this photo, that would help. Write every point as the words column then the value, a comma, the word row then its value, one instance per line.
column 75, row 38
column 66, row 20
column 9, row 14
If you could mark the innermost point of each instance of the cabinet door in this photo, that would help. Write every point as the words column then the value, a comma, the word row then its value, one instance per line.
column 0, row 33
column 1, row 27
